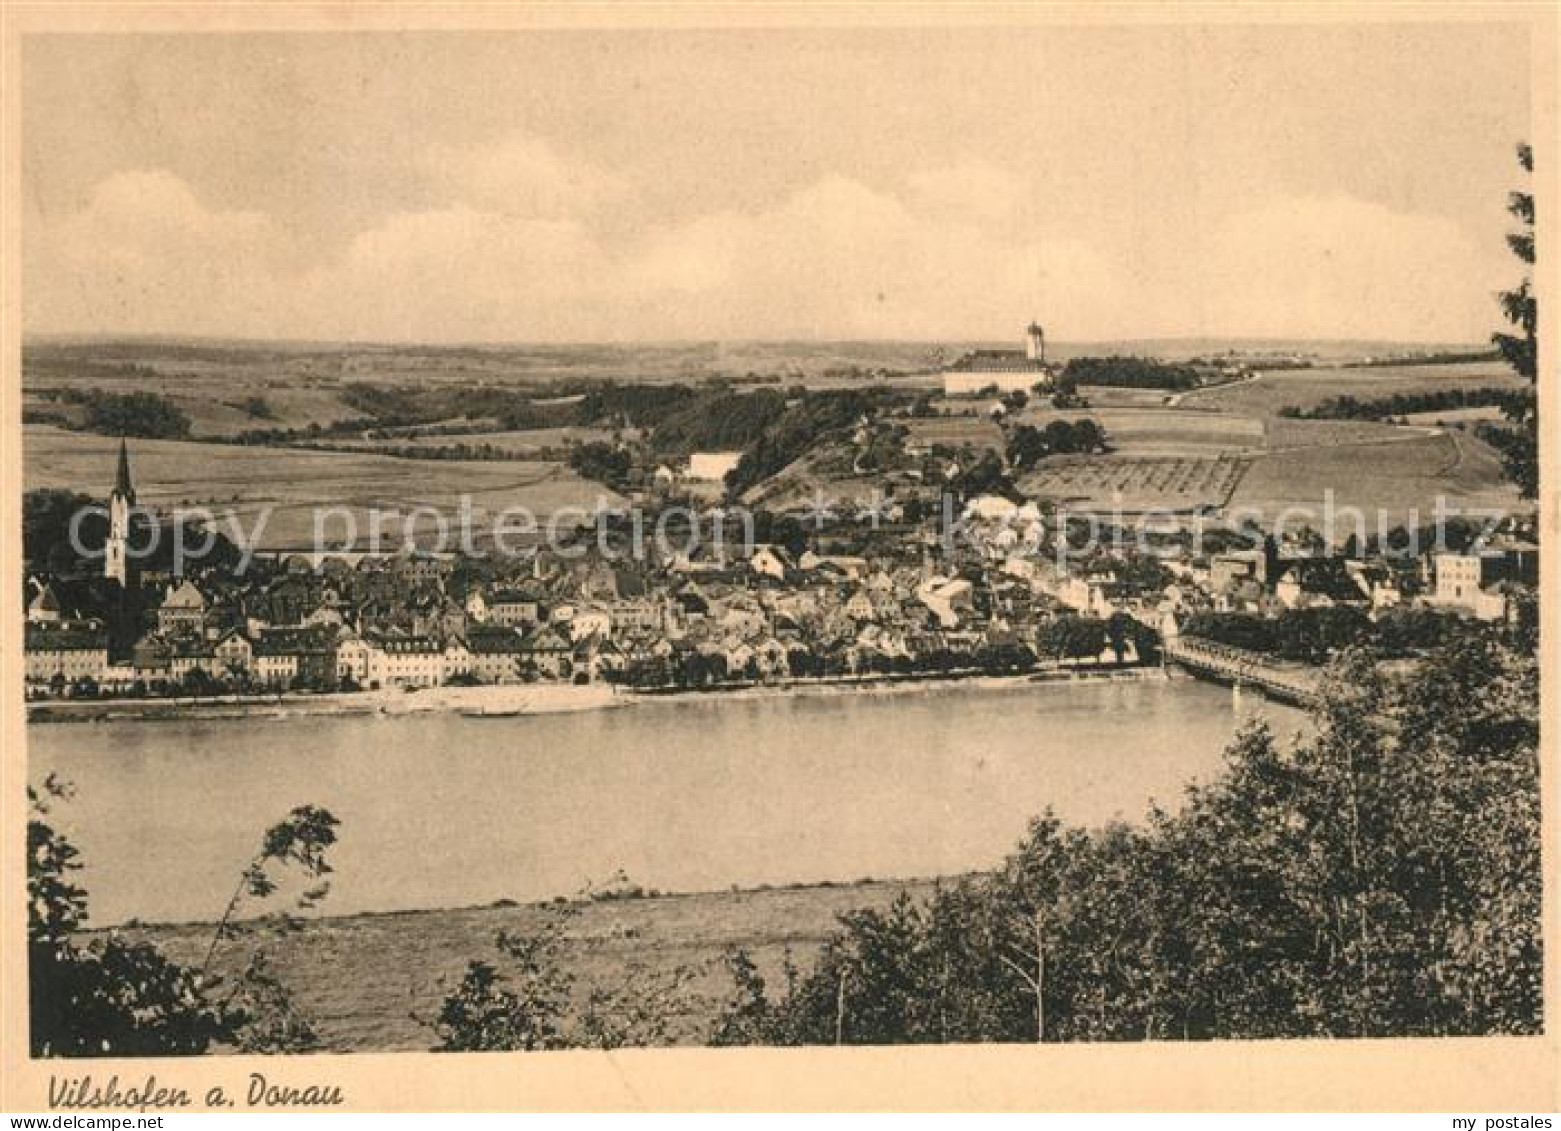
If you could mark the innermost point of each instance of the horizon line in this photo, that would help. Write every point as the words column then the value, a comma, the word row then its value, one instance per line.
column 53, row 336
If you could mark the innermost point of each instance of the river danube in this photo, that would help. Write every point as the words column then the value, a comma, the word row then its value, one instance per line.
column 442, row 810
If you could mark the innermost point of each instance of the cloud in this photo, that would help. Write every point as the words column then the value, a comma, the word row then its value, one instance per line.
column 973, row 189
column 459, row 274
column 519, row 175
column 144, row 254
column 840, row 259
column 521, row 251
column 837, row 258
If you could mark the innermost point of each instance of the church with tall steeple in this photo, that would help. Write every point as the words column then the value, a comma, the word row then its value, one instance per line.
column 120, row 502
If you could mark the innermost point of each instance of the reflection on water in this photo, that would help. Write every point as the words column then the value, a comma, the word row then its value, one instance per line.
column 442, row 810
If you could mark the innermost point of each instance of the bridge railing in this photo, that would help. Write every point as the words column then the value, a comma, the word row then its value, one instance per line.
column 1237, row 664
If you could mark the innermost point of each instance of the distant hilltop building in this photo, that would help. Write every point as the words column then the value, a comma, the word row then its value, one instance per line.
column 120, row 500
column 1004, row 370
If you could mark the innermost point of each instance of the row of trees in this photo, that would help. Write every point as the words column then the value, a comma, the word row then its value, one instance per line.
column 1028, row 445
column 603, row 462
column 771, row 427
column 1131, row 372
column 199, row 683
column 409, row 405
column 719, row 420
column 1518, row 445
column 1315, row 635
column 1514, row 402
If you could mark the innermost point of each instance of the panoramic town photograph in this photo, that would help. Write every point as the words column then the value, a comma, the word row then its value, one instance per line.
column 585, row 538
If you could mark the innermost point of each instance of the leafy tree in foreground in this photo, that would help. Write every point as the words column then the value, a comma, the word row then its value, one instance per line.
column 116, row 997
column 520, row 1009
column 300, row 840
column 528, row 1001
column 1379, row 879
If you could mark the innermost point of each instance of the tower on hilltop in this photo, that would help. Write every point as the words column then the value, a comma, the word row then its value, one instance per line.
column 1035, row 342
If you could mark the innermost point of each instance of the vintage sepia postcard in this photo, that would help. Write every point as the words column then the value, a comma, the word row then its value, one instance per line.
column 789, row 556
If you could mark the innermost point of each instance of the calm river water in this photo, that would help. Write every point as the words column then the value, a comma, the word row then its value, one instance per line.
column 443, row 810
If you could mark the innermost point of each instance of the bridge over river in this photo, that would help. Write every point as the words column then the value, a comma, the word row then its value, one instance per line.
column 1242, row 668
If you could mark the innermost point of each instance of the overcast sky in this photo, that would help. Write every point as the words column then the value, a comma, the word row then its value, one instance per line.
column 1114, row 182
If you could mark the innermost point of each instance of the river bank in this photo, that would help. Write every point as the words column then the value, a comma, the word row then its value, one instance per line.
column 364, row 981
column 504, row 700
column 499, row 699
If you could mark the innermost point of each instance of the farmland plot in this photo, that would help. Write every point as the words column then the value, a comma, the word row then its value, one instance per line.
column 956, row 431
column 1162, row 432
column 1307, row 388
column 289, row 485
column 1177, row 483
column 1393, row 481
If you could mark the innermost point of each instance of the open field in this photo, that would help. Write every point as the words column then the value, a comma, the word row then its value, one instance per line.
column 1162, row 432
column 1117, row 396
column 1179, row 483
column 1183, row 459
column 1281, row 433
column 1165, row 432
column 1184, row 455
column 1457, row 415
column 1293, row 463
column 214, row 404
column 1097, row 396
column 955, row 431
column 1396, row 476
column 292, row 406
column 238, row 365
column 245, row 481
column 360, row 979
column 1306, row 388
column 299, row 379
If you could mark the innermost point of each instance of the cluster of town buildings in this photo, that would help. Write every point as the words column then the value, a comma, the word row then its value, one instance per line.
column 903, row 601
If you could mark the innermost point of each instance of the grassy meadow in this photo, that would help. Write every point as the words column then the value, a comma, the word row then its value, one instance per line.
column 245, row 480
column 1401, row 477
column 1307, row 388
column 363, row 980
column 1164, row 432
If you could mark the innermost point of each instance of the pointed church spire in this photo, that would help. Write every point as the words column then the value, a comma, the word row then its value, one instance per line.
column 122, row 484
column 120, row 502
